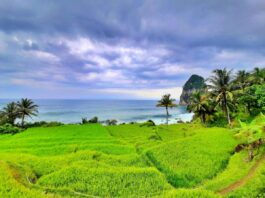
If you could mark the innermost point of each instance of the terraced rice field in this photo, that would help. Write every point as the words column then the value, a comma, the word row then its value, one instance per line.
column 183, row 160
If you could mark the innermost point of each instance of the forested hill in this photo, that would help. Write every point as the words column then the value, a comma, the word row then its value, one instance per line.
column 195, row 82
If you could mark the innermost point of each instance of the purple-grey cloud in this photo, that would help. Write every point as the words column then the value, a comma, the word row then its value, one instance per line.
column 123, row 45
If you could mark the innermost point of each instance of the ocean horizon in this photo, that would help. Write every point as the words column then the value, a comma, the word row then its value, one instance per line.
column 73, row 110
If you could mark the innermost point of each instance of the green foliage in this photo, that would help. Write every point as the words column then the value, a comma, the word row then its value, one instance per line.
column 91, row 121
column 249, row 133
column 121, row 161
column 254, row 187
column 42, row 124
column 254, row 99
column 9, row 114
column 167, row 102
column 148, row 123
column 8, row 129
column 236, row 169
column 188, row 193
column 197, row 158
column 22, row 109
column 110, row 182
column 11, row 187
column 111, row 122
column 194, row 82
column 239, row 97
column 201, row 105
column 26, row 108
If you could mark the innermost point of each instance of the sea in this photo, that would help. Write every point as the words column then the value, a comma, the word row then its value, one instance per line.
column 124, row 111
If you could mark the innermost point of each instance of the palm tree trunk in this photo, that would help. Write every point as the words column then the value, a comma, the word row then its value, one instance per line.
column 167, row 115
column 228, row 115
column 22, row 120
column 203, row 118
column 227, row 110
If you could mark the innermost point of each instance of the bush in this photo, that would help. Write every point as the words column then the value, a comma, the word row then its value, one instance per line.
column 42, row 124
column 92, row 120
column 84, row 121
column 52, row 124
column 149, row 123
column 3, row 119
column 8, row 129
column 111, row 122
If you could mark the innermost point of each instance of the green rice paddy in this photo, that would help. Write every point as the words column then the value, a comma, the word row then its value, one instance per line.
column 182, row 160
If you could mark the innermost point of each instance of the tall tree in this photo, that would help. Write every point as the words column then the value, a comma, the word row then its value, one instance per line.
column 166, row 102
column 242, row 79
column 258, row 76
column 26, row 107
column 199, row 104
column 10, row 112
column 220, row 86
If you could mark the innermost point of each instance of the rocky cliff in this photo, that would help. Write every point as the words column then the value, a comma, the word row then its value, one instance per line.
column 194, row 83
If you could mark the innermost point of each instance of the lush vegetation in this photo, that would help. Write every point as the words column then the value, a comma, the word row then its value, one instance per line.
column 229, row 99
column 219, row 154
column 167, row 102
column 130, row 160
column 229, row 96
column 16, row 110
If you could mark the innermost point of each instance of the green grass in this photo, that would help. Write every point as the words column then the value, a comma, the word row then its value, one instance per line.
column 107, row 182
column 121, row 161
column 237, row 168
column 188, row 193
column 255, row 187
column 188, row 161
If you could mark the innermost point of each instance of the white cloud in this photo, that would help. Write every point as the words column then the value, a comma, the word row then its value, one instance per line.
column 127, row 56
column 29, row 42
column 42, row 55
column 146, row 93
column 79, row 46
column 112, row 76
column 172, row 70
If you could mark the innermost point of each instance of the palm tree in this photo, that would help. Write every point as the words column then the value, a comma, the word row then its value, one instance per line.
column 26, row 107
column 220, row 86
column 199, row 104
column 258, row 75
column 10, row 112
column 242, row 79
column 166, row 102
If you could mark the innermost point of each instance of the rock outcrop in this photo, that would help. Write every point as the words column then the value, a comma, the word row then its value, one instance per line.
column 194, row 83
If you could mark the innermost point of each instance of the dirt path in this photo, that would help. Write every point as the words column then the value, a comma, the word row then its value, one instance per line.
column 244, row 179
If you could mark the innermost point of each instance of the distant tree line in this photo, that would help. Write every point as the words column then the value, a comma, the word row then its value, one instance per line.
column 95, row 119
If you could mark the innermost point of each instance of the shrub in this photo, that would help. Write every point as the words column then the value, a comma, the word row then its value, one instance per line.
column 8, row 129
column 84, row 121
column 93, row 120
column 42, row 124
column 52, row 124
column 3, row 119
column 149, row 123
column 111, row 122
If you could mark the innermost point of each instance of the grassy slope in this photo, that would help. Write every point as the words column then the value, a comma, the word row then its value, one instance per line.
column 116, row 161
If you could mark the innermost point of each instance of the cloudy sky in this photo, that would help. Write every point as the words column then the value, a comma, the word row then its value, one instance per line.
column 123, row 49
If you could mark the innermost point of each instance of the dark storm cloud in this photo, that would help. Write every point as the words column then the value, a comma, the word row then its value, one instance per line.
column 126, row 44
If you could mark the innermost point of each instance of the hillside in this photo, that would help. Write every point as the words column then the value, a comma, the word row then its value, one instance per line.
column 194, row 83
column 118, row 161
